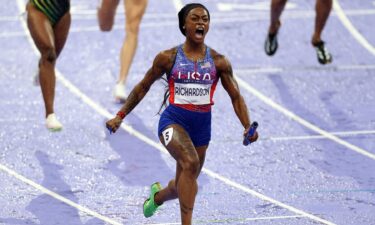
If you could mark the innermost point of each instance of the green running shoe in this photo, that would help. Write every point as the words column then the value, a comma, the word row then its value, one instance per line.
column 149, row 206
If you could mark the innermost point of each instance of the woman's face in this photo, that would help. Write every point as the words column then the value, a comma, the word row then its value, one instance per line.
column 196, row 24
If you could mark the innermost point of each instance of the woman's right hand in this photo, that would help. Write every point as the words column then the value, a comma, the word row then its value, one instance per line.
column 113, row 124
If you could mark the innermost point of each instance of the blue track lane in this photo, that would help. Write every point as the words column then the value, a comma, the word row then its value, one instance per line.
column 111, row 174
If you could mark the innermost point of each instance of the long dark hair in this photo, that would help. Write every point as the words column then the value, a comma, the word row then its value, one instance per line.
column 165, row 78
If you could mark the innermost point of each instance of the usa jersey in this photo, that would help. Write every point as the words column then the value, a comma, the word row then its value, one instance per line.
column 192, row 84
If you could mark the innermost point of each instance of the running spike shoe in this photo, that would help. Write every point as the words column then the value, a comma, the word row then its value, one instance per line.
column 324, row 57
column 149, row 206
column 119, row 93
column 270, row 45
column 52, row 123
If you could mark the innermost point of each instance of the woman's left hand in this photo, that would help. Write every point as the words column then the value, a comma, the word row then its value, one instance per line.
column 252, row 138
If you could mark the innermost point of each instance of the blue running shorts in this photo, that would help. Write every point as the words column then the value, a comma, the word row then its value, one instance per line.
column 196, row 124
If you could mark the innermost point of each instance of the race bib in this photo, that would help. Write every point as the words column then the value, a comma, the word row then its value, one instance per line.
column 196, row 94
column 167, row 135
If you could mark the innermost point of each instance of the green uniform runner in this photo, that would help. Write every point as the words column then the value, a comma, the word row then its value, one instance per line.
column 53, row 9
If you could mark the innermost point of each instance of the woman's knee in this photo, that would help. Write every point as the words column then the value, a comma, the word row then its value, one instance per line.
column 132, row 28
column 48, row 54
column 106, row 20
column 191, row 165
column 106, row 14
column 132, row 35
column 105, row 26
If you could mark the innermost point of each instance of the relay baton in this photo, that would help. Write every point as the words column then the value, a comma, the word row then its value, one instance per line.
column 253, row 128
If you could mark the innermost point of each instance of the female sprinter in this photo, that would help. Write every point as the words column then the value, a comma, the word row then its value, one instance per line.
column 49, row 23
column 193, row 70
column 134, row 10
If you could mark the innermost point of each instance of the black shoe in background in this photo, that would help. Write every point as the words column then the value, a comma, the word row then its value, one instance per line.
column 324, row 57
column 270, row 45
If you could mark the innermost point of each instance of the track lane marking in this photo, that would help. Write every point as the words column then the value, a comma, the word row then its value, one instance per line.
column 307, row 137
column 147, row 140
column 346, row 22
column 241, row 220
column 57, row 196
column 302, row 121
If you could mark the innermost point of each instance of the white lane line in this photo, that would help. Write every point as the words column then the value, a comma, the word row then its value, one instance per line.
column 257, row 6
column 121, row 26
column 300, row 120
column 92, row 14
column 12, row 34
column 217, row 18
column 21, row 5
column 161, row 148
column 8, row 18
column 266, row 198
column 308, row 137
column 358, row 36
column 102, row 111
column 241, row 220
column 305, row 137
column 158, row 146
column 57, row 196
column 257, row 70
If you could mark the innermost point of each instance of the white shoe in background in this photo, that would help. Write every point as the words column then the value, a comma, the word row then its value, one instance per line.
column 119, row 93
column 52, row 123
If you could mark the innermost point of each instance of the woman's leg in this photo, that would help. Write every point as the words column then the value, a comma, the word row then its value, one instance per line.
column 134, row 10
column 61, row 31
column 170, row 192
column 271, row 44
column 189, row 163
column 42, row 33
column 277, row 7
column 106, row 14
column 49, row 41
column 322, row 9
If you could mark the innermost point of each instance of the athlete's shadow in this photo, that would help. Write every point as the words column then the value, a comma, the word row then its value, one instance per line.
column 140, row 164
column 338, row 160
column 355, row 163
column 47, row 209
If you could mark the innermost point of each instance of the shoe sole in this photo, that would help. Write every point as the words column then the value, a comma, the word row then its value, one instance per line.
column 55, row 129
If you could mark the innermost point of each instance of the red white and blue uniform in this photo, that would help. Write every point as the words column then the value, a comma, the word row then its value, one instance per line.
column 191, row 87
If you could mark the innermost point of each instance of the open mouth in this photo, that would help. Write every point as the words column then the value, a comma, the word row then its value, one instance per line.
column 199, row 32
